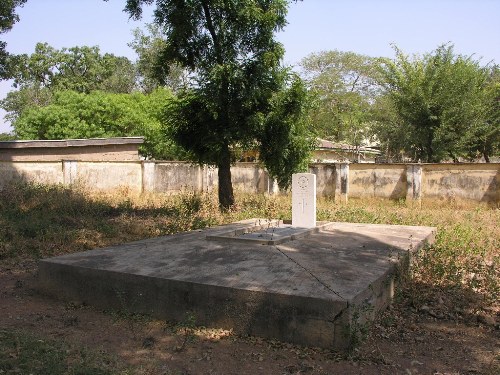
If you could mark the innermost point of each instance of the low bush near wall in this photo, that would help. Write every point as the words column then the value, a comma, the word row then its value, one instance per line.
column 38, row 221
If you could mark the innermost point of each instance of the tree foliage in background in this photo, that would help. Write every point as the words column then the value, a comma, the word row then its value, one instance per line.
column 440, row 102
column 286, row 138
column 48, row 70
column 484, row 139
column 8, row 17
column 73, row 114
column 386, row 126
column 240, row 86
column 82, row 69
column 345, row 85
column 7, row 137
column 152, row 71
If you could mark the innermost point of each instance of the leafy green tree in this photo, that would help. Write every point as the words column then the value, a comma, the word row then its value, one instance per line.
column 386, row 127
column 7, row 137
column 81, row 69
column 152, row 70
column 77, row 115
column 239, row 85
column 484, row 139
column 18, row 101
column 439, row 99
column 491, row 144
column 48, row 70
column 345, row 85
column 8, row 17
column 287, row 138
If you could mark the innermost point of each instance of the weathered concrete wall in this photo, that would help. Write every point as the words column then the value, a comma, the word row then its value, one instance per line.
column 250, row 177
column 110, row 175
column 377, row 180
column 178, row 176
column 478, row 182
column 39, row 172
column 325, row 178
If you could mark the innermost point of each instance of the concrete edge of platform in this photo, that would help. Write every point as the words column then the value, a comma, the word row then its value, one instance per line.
column 297, row 319
column 369, row 303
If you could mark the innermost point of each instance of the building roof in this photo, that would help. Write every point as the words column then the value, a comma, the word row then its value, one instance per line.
column 324, row 144
column 71, row 142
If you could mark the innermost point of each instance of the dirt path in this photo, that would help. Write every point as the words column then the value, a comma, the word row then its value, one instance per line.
column 406, row 340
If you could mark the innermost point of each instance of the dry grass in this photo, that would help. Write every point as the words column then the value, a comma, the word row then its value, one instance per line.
column 466, row 253
column 457, row 278
column 38, row 221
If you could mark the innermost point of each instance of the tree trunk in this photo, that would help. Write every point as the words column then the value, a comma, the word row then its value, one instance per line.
column 486, row 157
column 226, row 195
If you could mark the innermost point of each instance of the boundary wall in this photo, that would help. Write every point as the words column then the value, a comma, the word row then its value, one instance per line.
column 477, row 182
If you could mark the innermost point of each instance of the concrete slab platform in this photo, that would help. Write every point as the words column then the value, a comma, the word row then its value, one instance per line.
column 313, row 289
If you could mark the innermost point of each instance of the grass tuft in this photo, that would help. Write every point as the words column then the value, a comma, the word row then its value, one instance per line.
column 24, row 353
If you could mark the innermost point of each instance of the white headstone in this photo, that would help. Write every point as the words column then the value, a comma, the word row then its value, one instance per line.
column 304, row 200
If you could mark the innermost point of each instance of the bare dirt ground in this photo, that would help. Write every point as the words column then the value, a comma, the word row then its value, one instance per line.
column 438, row 336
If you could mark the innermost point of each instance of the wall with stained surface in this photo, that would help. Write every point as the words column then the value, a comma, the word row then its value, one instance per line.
column 476, row 182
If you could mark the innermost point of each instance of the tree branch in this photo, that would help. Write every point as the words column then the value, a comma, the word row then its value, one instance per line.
column 211, row 30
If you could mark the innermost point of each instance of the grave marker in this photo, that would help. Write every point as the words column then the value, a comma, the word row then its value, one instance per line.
column 304, row 200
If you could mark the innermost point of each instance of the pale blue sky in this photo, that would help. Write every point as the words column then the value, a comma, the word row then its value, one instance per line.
column 363, row 26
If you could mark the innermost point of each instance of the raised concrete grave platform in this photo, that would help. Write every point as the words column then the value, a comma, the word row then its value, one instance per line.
column 310, row 286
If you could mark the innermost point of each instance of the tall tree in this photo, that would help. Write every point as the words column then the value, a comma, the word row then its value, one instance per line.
column 345, row 85
column 81, row 69
column 152, row 71
column 439, row 99
column 8, row 17
column 48, row 70
column 229, row 47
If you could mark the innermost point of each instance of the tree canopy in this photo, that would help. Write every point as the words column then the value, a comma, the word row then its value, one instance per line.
column 82, row 69
column 152, row 71
column 73, row 114
column 439, row 100
column 345, row 84
column 239, row 83
column 48, row 70
column 8, row 17
column 484, row 139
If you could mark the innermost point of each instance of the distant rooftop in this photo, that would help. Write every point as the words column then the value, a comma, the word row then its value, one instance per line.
column 71, row 142
column 92, row 149
column 324, row 144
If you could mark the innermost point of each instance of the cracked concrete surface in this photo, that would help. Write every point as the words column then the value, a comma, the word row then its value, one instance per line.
column 302, row 291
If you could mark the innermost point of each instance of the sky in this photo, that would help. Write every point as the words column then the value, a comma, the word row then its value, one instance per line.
column 367, row 27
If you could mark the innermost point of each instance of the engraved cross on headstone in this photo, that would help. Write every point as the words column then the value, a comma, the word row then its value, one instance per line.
column 304, row 200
